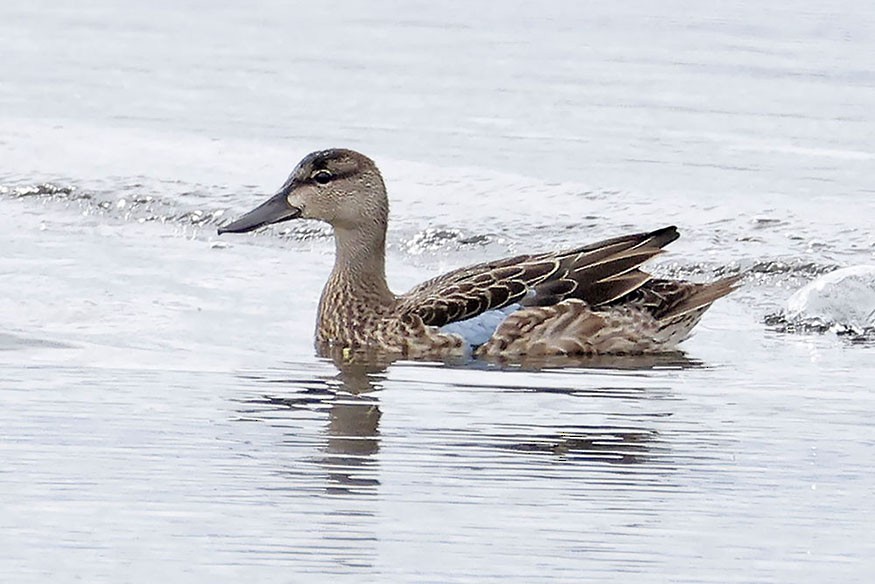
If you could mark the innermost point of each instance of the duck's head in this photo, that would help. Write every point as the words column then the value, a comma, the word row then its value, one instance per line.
column 341, row 187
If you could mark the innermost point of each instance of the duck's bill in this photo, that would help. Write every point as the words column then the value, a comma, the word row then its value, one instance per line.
column 274, row 210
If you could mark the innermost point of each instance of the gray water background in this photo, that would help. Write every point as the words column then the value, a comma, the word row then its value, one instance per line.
column 162, row 413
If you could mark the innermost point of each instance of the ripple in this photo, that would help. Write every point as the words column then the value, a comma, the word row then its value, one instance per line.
column 853, row 334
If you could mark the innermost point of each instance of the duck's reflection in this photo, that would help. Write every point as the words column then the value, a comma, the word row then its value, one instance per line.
column 353, row 428
column 644, row 362
column 352, row 436
column 345, row 465
column 587, row 444
column 588, row 433
column 344, row 360
column 349, row 398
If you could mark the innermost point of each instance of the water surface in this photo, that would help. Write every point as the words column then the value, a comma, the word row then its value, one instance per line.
column 162, row 412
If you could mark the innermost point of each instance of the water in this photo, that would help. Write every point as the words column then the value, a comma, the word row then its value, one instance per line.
column 163, row 413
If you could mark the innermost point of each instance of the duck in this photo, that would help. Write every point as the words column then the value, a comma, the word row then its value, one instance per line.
column 594, row 299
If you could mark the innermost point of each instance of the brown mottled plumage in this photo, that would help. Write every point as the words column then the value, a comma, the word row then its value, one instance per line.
column 592, row 299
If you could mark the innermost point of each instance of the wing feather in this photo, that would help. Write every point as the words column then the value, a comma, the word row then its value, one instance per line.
column 597, row 273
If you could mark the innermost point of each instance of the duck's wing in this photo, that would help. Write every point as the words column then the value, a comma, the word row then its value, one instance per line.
column 598, row 274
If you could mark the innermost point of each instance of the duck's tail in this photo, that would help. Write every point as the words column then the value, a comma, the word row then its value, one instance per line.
column 701, row 296
column 676, row 324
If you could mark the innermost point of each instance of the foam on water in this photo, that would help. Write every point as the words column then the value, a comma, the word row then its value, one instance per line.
column 845, row 296
column 842, row 301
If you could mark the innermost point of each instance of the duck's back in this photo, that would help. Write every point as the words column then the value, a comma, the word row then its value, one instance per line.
column 592, row 299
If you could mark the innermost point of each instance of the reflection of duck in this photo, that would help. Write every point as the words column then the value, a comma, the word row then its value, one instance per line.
column 352, row 431
column 669, row 360
column 349, row 458
column 353, row 422
column 620, row 446
column 591, row 299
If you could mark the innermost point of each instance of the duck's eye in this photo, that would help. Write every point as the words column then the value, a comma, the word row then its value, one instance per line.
column 322, row 177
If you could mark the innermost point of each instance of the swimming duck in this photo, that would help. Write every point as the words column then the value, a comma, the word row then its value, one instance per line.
column 592, row 299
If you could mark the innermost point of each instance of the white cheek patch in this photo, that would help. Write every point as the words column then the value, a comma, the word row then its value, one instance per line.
column 479, row 329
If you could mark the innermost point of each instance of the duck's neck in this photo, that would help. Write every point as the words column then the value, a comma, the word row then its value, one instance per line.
column 356, row 291
column 360, row 261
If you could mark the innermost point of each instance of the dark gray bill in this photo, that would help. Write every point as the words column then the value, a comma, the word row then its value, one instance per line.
column 274, row 210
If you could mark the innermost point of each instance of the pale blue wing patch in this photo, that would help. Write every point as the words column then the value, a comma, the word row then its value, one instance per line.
column 479, row 329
